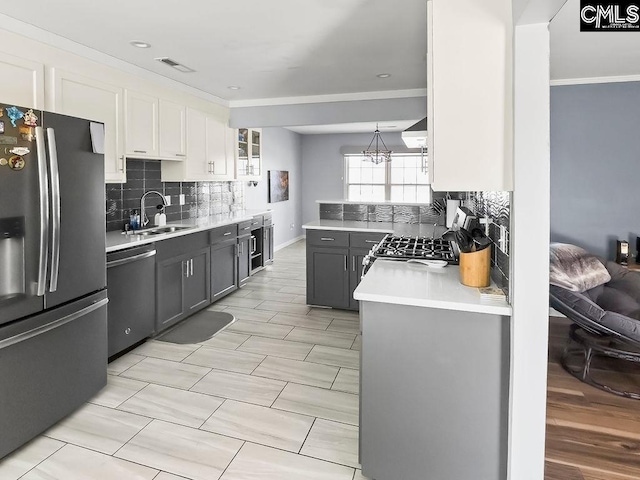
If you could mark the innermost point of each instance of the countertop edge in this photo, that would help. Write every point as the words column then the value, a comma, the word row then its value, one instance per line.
column 504, row 311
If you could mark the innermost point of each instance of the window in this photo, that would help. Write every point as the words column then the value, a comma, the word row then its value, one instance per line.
column 404, row 179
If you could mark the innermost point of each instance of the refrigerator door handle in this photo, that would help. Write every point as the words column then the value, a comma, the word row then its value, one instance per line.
column 55, row 209
column 43, row 191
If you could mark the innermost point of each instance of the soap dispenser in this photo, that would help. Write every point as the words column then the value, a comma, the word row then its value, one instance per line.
column 160, row 219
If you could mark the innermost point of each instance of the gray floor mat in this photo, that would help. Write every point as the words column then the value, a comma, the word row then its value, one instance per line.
column 197, row 328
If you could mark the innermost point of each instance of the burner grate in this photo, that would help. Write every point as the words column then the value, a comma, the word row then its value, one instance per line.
column 407, row 248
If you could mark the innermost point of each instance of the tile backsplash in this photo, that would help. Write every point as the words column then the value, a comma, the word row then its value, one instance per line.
column 202, row 199
column 495, row 205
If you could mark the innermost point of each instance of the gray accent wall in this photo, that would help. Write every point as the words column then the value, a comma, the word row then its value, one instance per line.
column 323, row 166
column 281, row 150
column 595, row 165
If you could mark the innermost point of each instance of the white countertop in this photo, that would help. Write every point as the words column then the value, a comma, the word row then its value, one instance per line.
column 403, row 283
column 119, row 241
column 413, row 229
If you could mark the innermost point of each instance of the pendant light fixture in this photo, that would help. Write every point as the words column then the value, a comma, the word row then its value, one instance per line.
column 377, row 155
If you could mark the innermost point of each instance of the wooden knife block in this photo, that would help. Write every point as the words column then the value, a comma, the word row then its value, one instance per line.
column 475, row 268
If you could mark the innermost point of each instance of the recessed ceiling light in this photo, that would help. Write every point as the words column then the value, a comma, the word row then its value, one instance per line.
column 383, row 75
column 233, row 87
column 140, row 44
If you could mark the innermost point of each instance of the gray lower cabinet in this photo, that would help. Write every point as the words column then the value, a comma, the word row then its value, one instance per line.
column 334, row 265
column 183, row 273
column 244, row 259
column 434, row 393
column 224, row 269
column 267, row 249
column 328, row 277
column 356, row 256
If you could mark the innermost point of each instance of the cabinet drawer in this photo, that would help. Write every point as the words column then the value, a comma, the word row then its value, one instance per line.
column 222, row 234
column 365, row 239
column 328, row 238
column 256, row 222
column 244, row 228
column 185, row 244
column 267, row 219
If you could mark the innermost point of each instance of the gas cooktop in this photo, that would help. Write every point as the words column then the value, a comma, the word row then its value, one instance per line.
column 408, row 248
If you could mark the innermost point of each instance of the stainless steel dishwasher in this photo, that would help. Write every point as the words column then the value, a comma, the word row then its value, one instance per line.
column 131, row 287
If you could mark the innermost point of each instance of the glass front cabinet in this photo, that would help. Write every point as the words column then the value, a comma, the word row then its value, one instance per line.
column 249, row 158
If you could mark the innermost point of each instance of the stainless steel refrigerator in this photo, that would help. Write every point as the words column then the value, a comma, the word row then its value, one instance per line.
column 53, row 315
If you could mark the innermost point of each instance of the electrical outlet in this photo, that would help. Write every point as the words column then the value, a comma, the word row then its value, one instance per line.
column 181, row 200
column 503, row 241
column 167, row 200
column 292, row 226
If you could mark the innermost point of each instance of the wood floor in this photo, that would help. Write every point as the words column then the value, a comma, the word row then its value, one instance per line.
column 591, row 434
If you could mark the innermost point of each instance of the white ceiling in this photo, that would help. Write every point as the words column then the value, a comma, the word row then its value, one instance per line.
column 579, row 55
column 270, row 48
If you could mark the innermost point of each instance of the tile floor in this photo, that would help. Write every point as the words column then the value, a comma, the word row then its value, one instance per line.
column 274, row 396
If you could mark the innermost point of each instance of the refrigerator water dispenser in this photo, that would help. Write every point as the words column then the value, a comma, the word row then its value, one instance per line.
column 12, row 276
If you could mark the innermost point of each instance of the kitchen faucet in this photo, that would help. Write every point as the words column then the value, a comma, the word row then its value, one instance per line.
column 143, row 216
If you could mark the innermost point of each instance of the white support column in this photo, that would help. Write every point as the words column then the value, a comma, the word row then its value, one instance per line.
column 530, row 254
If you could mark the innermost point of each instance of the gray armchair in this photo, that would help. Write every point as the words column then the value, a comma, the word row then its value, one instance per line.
column 606, row 322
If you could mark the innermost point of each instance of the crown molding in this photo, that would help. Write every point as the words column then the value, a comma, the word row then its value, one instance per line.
column 589, row 80
column 338, row 97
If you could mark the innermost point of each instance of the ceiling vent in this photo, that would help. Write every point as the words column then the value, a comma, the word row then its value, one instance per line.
column 174, row 64
column 416, row 135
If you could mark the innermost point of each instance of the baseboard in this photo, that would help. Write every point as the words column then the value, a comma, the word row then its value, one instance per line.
column 286, row 244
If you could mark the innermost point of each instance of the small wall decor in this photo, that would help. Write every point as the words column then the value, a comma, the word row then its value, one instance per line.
column 278, row 186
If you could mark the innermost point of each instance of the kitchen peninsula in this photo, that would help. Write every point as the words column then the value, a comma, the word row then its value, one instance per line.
column 434, row 375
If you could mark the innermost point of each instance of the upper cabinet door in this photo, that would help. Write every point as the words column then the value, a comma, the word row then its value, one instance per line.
column 249, row 154
column 141, row 125
column 26, row 88
column 196, row 167
column 87, row 98
column 216, row 139
column 172, row 130
column 470, row 94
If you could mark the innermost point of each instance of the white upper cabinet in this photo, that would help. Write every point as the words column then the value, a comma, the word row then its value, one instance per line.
column 88, row 98
column 26, row 85
column 141, row 125
column 221, row 166
column 172, row 130
column 207, row 158
column 249, row 154
column 470, row 95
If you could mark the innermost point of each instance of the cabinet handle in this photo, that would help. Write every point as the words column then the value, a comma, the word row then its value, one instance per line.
column 180, row 155
column 191, row 262
column 327, row 239
column 353, row 263
column 227, row 233
column 246, row 228
column 346, row 263
column 139, row 151
column 185, row 268
column 255, row 223
column 122, row 163
column 240, row 248
column 371, row 241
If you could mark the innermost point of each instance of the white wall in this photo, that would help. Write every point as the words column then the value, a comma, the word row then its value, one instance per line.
column 323, row 166
column 281, row 150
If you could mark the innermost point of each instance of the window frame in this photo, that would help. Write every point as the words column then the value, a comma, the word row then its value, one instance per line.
column 423, row 169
